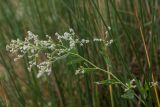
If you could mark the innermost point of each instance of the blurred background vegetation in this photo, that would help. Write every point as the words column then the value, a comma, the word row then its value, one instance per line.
column 135, row 52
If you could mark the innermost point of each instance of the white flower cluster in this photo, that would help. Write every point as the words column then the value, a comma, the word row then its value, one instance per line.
column 152, row 84
column 109, row 42
column 97, row 40
column 33, row 47
column 106, row 42
column 130, row 85
column 44, row 67
column 70, row 37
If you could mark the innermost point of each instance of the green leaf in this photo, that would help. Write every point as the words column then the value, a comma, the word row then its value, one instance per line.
column 128, row 95
column 143, row 89
column 107, row 82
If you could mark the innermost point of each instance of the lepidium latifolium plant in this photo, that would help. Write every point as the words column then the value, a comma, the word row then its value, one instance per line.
column 57, row 49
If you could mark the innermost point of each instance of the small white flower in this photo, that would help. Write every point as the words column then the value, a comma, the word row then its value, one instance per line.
column 154, row 83
column 97, row 40
column 87, row 41
column 109, row 42
column 58, row 36
column 81, row 44
column 130, row 85
column 67, row 36
column 98, row 83
column 109, row 28
column 40, row 73
column 30, row 35
column 47, row 36
column 72, row 44
column 79, row 71
column 106, row 33
column 15, row 59
column 32, row 51
column 72, row 31
column 25, row 47
column 83, row 40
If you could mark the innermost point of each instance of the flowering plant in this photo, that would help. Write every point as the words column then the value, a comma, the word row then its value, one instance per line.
column 63, row 46
column 54, row 50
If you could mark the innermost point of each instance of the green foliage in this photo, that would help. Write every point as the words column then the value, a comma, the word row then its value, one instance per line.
column 128, row 95
column 108, row 82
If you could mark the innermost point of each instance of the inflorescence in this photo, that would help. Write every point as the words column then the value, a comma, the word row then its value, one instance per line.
column 53, row 49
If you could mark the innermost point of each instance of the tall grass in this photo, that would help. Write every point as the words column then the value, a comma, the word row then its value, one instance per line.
column 134, row 53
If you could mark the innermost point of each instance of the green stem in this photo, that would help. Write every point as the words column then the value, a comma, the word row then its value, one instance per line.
column 99, row 68
column 125, row 86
